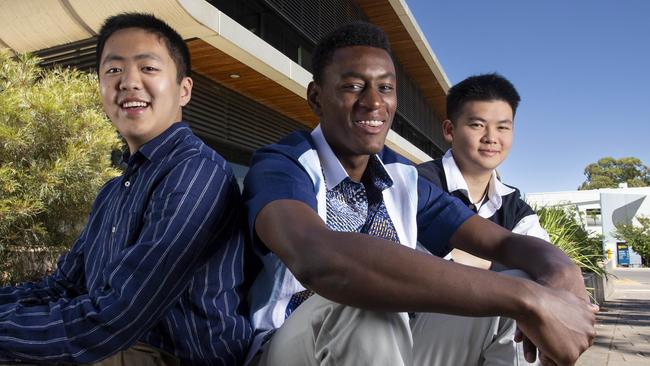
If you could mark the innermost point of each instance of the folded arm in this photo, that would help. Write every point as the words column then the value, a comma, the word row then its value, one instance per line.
column 137, row 286
column 372, row 273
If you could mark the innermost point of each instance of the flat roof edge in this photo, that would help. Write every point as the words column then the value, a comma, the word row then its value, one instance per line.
column 408, row 20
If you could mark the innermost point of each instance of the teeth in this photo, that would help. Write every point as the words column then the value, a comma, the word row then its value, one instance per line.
column 372, row 123
column 134, row 104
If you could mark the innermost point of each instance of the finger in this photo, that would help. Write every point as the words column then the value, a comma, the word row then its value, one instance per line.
column 519, row 335
column 595, row 308
column 530, row 351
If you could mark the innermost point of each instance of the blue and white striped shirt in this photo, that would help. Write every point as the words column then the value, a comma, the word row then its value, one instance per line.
column 159, row 261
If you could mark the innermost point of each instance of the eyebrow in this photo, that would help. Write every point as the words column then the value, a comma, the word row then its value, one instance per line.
column 476, row 118
column 142, row 56
column 354, row 74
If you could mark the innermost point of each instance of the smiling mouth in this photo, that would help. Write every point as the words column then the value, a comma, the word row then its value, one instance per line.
column 370, row 123
column 489, row 152
column 134, row 104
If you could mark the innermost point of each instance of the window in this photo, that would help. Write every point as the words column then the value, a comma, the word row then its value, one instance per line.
column 594, row 217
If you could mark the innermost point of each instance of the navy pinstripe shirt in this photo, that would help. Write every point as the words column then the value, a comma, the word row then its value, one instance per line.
column 160, row 261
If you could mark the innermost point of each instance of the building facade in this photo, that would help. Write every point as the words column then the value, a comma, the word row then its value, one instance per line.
column 600, row 211
column 251, row 62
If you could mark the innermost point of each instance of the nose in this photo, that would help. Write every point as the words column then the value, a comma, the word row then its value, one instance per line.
column 130, row 79
column 490, row 135
column 371, row 98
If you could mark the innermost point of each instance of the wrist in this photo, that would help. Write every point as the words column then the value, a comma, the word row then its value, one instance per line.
column 564, row 275
column 527, row 300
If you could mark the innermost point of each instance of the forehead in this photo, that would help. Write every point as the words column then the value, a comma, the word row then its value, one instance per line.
column 135, row 41
column 493, row 109
column 360, row 59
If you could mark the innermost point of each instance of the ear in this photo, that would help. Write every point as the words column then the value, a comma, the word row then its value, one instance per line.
column 186, row 90
column 313, row 98
column 448, row 130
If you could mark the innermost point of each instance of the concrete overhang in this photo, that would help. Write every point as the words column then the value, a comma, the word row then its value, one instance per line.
column 221, row 47
column 411, row 48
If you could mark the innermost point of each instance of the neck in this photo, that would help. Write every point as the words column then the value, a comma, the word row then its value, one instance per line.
column 133, row 147
column 355, row 166
column 477, row 185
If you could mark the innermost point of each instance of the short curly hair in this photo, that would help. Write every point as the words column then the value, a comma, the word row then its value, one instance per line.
column 348, row 35
column 484, row 87
column 175, row 44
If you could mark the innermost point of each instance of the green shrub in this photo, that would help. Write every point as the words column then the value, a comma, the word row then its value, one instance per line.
column 567, row 233
column 55, row 146
column 638, row 237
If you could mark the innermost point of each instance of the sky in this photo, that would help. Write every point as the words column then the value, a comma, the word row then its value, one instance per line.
column 582, row 68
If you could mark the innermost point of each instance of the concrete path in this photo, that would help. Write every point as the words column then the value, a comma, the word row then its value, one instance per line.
column 623, row 323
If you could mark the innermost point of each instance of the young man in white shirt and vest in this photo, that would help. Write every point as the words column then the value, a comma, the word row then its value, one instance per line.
column 480, row 125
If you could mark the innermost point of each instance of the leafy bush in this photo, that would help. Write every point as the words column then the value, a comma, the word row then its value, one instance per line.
column 55, row 146
column 567, row 233
column 638, row 237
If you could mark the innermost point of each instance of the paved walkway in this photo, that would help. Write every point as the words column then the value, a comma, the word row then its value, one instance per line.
column 623, row 323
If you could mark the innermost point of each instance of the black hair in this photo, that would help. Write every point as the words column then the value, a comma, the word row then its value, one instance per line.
column 175, row 44
column 351, row 34
column 484, row 87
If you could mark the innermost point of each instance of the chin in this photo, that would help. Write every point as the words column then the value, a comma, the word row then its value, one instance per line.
column 371, row 150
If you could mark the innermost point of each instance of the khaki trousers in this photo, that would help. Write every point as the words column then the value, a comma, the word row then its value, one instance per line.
column 140, row 354
column 322, row 332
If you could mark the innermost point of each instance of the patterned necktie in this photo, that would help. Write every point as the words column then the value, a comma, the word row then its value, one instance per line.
column 351, row 208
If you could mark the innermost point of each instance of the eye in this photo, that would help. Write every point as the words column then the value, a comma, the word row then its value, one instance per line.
column 113, row 70
column 149, row 69
column 353, row 87
column 386, row 88
column 476, row 124
column 504, row 128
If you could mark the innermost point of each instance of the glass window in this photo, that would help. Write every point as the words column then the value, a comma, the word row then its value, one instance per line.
column 594, row 217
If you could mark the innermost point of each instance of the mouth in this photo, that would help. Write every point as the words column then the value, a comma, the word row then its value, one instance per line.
column 370, row 125
column 133, row 107
column 489, row 152
column 133, row 104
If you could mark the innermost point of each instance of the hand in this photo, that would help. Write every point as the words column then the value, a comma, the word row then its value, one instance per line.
column 561, row 326
column 530, row 350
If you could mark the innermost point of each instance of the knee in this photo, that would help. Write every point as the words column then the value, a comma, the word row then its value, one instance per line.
column 364, row 335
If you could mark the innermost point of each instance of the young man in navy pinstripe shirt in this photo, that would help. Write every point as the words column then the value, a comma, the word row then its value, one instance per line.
column 155, row 277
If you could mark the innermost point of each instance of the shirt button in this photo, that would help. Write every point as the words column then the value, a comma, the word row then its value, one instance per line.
column 127, row 184
column 113, row 229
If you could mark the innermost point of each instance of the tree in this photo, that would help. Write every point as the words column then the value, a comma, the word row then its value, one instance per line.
column 637, row 237
column 609, row 172
column 55, row 146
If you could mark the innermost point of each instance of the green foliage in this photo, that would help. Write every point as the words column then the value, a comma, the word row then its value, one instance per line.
column 55, row 145
column 637, row 237
column 567, row 233
column 609, row 172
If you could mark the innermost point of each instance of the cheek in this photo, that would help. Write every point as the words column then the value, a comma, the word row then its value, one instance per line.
column 391, row 105
column 103, row 91
column 506, row 142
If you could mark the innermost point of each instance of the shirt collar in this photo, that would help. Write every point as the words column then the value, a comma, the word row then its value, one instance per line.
column 334, row 172
column 456, row 181
column 158, row 147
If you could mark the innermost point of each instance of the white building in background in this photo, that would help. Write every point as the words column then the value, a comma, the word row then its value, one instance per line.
column 601, row 210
